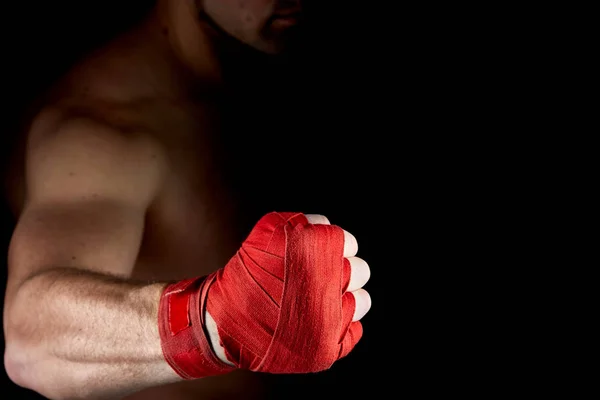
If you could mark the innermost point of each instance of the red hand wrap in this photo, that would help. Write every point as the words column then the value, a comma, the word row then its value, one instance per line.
column 181, row 325
column 280, row 304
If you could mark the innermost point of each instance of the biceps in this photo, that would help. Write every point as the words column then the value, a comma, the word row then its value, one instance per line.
column 101, row 236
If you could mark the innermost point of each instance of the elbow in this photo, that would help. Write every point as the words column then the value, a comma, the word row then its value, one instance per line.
column 32, row 338
column 21, row 353
column 29, row 370
column 25, row 364
column 29, row 364
column 15, row 368
column 22, row 364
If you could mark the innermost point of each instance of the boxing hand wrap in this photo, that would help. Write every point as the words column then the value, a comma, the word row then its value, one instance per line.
column 280, row 304
column 184, row 340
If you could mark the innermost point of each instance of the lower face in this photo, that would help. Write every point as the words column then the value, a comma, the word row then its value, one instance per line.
column 267, row 25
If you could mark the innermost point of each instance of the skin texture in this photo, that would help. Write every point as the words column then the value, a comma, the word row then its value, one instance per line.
column 117, row 191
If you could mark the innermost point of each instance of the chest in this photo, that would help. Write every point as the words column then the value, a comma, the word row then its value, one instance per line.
column 192, row 227
column 219, row 183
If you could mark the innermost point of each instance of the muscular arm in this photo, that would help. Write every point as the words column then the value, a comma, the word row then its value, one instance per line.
column 77, row 334
column 75, row 325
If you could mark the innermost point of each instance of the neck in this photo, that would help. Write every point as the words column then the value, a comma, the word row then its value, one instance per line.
column 188, row 41
column 197, row 55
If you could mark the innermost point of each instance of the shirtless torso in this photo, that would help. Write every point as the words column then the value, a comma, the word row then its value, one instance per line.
column 125, row 180
column 190, row 228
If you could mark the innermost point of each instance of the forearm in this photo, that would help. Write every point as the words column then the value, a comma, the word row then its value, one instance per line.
column 77, row 334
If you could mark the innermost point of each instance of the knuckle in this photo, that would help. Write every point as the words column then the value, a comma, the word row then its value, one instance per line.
column 363, row 304
column 351, row 238
column 317, row 219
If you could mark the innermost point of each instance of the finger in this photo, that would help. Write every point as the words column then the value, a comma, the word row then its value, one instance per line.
column 317, row 219
column 362, row 303
column 350, row 245
column 359, row 273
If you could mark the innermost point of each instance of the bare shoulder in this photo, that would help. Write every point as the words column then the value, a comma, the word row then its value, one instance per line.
column 79, row 153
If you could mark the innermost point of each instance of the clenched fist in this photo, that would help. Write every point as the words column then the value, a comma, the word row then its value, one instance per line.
column 289, row 301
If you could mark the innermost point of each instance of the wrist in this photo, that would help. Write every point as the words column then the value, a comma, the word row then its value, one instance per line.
column 184, row 338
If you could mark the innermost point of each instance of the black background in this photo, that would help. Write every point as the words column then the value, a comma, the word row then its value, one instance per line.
column 392, row 120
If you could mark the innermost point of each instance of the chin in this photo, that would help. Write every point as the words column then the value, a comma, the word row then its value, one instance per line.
column 269, row 47
column 282, row 44
column 273, row 44
column 275, row 49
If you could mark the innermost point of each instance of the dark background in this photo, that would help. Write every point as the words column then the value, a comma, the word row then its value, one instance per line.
column 393, row 118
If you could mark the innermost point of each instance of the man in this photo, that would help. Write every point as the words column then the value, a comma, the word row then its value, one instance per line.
column 125, row 218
